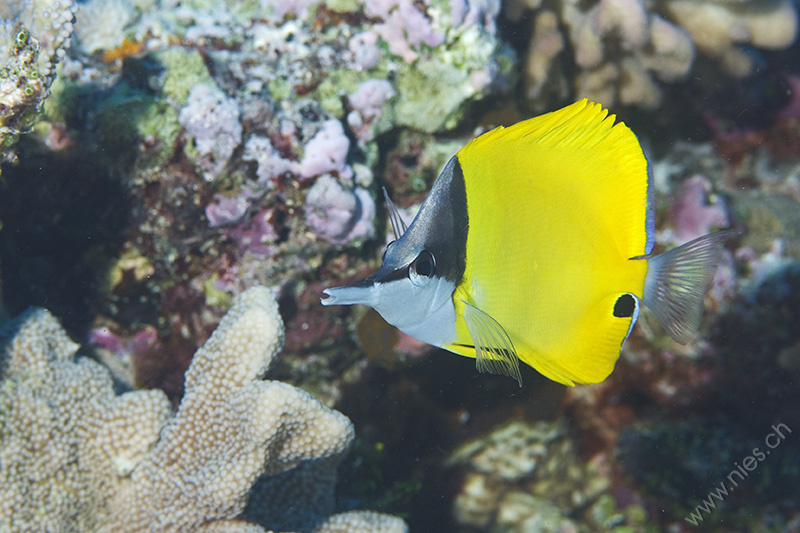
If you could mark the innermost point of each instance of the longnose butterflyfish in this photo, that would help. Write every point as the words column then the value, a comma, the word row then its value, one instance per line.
column 534, row 245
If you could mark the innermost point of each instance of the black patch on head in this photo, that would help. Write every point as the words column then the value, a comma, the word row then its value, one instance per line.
column 625, row 306
column 440, row 229
column 458, row 201
column 444, row 215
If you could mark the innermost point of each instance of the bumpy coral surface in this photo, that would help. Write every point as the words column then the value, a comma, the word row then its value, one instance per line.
column 75, row 456
column 65, row 436
column 362, row 522
column 33, row 38
column 527, row 477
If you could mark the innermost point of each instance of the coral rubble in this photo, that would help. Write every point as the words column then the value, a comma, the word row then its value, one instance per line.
column 76, row 456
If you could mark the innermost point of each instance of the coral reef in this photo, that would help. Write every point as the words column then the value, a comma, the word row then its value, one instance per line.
column 669, row 410
column 527, row 477
column 695, row 211
column 191, row 149
column 246, row 139
column 211, row 122
column 624, row 51
column 339, row 214
column 362, row 522
column 720, row 29
column 679, row 463
column 33, row 38
column 75, row 455
column 117, row 16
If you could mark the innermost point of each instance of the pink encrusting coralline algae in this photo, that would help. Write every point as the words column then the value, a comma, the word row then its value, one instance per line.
column 367, row 102
column 695, row 211
column 339, row 214
column 327, row 152
column 404, row 26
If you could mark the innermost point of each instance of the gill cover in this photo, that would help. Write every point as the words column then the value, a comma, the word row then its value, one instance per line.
column 414, row 286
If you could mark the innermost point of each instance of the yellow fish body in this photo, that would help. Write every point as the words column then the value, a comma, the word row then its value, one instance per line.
column 534, row 245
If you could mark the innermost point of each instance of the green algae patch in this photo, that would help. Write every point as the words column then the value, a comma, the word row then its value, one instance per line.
column 432, row 96
column 183, row 69
column 131, row 119
column 335, row 87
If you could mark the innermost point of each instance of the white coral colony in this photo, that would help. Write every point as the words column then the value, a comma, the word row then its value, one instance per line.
column 74, row 456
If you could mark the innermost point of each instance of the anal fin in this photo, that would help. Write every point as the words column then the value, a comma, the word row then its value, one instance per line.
column 494, row 350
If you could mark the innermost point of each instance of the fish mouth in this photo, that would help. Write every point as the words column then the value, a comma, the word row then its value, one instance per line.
column 362, row 292
column 365, row 292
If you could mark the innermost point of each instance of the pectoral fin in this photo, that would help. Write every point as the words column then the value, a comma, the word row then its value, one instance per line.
column 494, row 350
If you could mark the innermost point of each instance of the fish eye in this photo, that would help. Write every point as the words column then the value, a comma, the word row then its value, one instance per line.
column 422, row 268
column 385, row 250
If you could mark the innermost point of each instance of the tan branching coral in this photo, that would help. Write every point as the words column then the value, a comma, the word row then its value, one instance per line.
column 620, row 49
column 718, row 28
column 74, row 456
column 624, row 51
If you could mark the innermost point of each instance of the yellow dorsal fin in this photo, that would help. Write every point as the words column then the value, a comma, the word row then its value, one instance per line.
column 577, row 150
column 581, row 125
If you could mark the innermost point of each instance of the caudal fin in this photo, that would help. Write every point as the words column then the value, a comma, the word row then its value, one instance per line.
column 678, row 279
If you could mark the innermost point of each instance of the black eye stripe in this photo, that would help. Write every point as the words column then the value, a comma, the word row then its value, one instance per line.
column 395, row 275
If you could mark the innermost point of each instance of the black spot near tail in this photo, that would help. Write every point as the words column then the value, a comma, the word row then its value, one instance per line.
column 625, row 306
